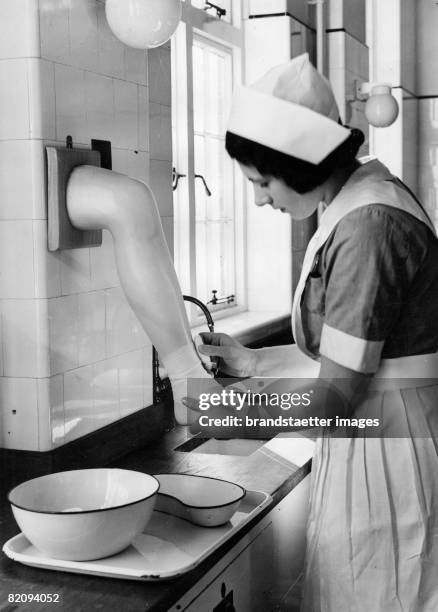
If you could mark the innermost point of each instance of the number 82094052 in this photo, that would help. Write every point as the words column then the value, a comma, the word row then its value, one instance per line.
column 37, row 597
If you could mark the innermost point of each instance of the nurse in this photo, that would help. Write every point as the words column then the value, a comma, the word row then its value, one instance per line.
column 365, row 313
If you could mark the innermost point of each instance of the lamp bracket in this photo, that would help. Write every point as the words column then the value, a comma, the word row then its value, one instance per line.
column 358, row 91
column 361, row 90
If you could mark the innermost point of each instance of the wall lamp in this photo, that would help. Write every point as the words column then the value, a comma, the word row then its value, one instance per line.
column 381, row 108
column 143, row 24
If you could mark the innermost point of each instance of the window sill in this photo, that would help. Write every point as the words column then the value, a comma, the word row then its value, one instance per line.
column 248, row 327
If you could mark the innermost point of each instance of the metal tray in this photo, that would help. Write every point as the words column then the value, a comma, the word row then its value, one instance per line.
column 169, row 546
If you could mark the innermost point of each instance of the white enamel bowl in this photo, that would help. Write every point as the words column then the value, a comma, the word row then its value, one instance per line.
column 82, row 515
column 205, row 501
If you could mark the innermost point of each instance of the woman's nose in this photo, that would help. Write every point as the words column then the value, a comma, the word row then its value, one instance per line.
column 261, row 198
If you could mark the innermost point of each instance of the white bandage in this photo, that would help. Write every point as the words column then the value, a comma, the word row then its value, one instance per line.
column 182, row 365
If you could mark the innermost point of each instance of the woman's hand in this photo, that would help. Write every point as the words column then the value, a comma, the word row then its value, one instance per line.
column 214, row 403
column 232, row 358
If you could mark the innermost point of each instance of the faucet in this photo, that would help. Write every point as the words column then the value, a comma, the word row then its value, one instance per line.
column 203, row 307
column 159, row 385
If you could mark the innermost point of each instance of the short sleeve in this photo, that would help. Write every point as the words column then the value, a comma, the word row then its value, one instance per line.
column 368, row 267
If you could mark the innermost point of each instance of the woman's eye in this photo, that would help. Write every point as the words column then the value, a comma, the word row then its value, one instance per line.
column 264, row 184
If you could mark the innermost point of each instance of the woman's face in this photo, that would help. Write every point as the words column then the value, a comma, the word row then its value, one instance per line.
column 275, row 192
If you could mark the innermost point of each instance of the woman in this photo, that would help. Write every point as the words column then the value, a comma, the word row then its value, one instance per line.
column 365, row 309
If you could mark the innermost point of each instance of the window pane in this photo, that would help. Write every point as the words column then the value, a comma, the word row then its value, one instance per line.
column 215, row 228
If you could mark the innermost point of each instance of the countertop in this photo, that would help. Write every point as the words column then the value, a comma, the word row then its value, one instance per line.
column 262, row 470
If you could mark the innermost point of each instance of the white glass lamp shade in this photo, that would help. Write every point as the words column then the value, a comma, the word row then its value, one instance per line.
column 381, row 108
column 143, row 24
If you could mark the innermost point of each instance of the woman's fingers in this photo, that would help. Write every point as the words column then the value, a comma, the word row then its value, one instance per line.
column 213, row 412
column 191, row 403
column 210, row 345
column 206, row 361
column 216, row 351
column 227, row 357
column 213, row 338
column 218, row 421
column 234, row 358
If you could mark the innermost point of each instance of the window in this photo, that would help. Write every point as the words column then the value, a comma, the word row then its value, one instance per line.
column 208, row 198
column 214, row 193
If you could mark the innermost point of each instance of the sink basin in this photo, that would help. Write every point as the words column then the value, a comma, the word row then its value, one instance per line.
column 235, row 446
column 212, row 446
column 294, row 448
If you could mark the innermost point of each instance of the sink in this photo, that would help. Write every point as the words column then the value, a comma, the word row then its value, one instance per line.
column 212, row 446
column 294, row 448
column 235, row 446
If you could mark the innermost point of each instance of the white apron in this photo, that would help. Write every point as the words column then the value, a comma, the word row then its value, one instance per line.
column 372, row 536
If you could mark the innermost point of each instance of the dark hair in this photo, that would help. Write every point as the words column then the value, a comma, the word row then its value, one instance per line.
column 300, row 175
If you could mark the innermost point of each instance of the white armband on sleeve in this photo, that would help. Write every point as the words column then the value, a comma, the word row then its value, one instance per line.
column 350, row 351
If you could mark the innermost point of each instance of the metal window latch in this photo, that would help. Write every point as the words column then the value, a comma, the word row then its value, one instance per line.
column 175, row 178
column 226, row 299
column 207, row 190
column 220, row 12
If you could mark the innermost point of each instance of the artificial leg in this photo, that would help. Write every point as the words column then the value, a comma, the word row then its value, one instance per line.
column 99, row 198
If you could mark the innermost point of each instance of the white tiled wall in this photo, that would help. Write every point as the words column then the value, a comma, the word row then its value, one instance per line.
column 405, row 55
column 347, row 61
column 410, row 141
column 21, row 179
column 19, row 417
column 427, row 85
column 428, row 155
column 20, row 37
column 160, row 135
column 393, row 38
column 268, row 231
column 348, row 15
column 348, row 64
column 299, row 9
column 427, row 48
column 73, row 356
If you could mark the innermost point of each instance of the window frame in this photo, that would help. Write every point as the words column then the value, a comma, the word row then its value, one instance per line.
column 199, row 24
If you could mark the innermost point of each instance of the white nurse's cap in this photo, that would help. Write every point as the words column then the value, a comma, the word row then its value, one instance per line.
column 291, row 109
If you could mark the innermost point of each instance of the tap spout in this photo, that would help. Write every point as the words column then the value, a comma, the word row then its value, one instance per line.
column 204, row 308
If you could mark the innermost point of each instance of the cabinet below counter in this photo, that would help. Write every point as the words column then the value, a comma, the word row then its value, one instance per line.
column 262, row 572
column 255, row 570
